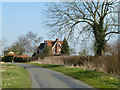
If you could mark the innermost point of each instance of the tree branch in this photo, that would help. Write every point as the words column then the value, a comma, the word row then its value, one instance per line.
column 88, row 10
column 96, row 9
column 111, row 32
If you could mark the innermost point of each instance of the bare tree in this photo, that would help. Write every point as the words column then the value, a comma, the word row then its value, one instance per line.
column 72, row 51
column 2, row 45
column 32, row 42
column 19, row 46
column 26, row 44
column 96, row 19
column 113, row 48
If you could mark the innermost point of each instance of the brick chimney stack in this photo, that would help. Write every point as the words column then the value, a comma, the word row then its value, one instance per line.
column 57, row 47
column 57, row 39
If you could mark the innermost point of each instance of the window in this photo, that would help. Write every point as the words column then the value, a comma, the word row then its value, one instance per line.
column 54, row 50
column 59, row 50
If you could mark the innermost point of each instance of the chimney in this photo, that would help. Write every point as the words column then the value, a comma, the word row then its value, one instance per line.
column 57, row 47
column 57, row 39
column 45, row 41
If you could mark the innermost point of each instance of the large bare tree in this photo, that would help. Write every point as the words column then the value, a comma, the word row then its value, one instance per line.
column 97, row 19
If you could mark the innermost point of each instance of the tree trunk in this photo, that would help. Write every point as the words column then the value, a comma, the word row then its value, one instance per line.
column 100, row 41
column 99, row 46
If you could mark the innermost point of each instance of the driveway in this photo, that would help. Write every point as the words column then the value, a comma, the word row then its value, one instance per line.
column 45, row 78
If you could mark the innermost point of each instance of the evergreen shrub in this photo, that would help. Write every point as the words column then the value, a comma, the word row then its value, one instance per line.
column 8, row 58
column 20, row 59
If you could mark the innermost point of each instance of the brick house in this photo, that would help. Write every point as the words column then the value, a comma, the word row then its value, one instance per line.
column 55, row 46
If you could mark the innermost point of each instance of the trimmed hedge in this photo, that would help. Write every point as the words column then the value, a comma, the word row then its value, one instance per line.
column 20, row 59
column 8, row 58
column 15, row 59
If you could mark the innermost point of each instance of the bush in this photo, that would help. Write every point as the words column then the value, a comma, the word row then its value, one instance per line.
column 107, row 63
column 30, row 59
column 41, row 55
column 56, row 55
column 111, row 63
column 2, row 58
column 20, row 59
column 74, row 60
column 8, row 58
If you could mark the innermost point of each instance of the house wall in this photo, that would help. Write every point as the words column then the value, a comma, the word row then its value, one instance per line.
column 55, row 50
column 58, row 47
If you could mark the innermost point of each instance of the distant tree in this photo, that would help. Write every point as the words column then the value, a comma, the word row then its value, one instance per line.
column 83, row 52
column 43, row 54
column 19, row 46
column 26, row 44
column 72, row 51
column 32, row 41
column 2, row 46
column 65, row 47
column 112, row 49
column 47, row 51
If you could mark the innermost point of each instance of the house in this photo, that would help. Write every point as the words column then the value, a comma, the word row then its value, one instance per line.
column 55, row 46
column 11, row 53
column 23, row 56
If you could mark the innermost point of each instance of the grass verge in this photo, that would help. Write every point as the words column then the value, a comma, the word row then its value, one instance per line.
column 93, row 78
column 14, row 76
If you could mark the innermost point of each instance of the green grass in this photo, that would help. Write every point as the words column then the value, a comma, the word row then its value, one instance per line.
column 93, row 78
column 14, row 76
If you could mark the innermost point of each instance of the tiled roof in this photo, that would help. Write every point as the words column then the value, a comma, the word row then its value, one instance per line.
column 51, row 43
column 61, row 42
column 24, row 56
column 11, row 54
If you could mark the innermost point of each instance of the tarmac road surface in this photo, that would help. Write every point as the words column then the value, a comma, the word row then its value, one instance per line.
column 45, row 78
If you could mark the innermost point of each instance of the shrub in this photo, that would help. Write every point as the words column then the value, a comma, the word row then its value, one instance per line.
column 8, row 58
column 107, row 63
column 2, row 58
column 56, row 55
column 74, row 60
column 47, row 51
column 30, row 59
column 41, row 55
column 20, row 59
column 111, row 64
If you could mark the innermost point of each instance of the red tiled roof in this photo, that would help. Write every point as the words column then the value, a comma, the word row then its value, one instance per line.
column 11, row 54
column 51, row 43
column 61, row 42
column 24, row 56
